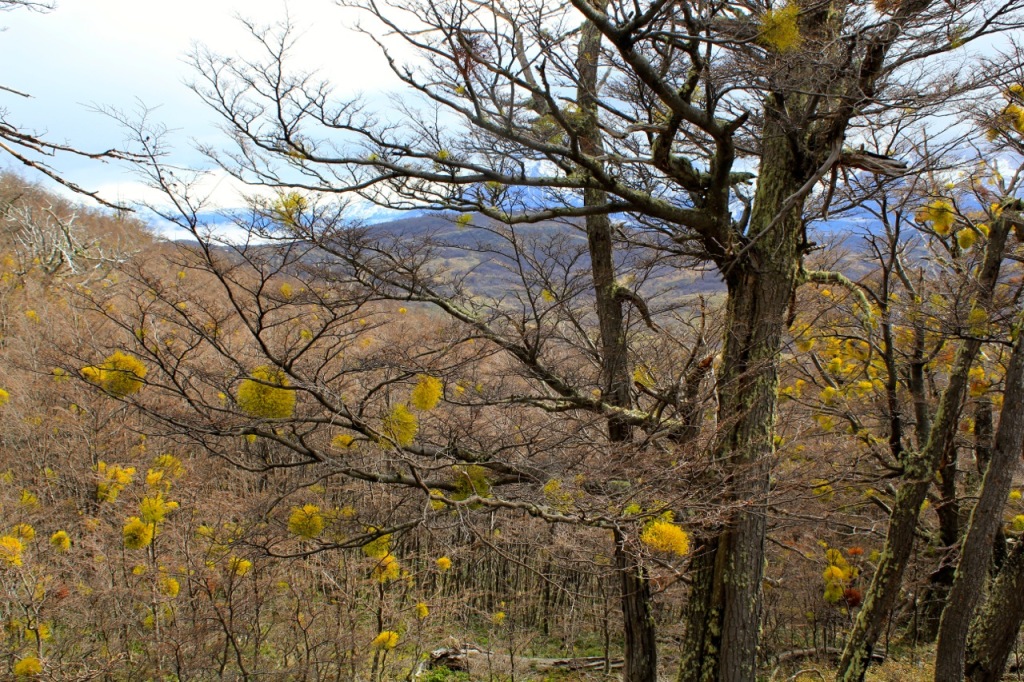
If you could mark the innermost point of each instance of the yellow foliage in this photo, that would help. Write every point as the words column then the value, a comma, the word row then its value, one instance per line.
column 822, row 489
column 834, row 574
column 401, row 425
column 137, row 533
column 387, row 569
column 498, row 618
column 30, row 666
column 665, row 536
column 28, row 499
column 24, row 532
column 378, row 548
column 779, row 29
column 10, row 550
column 119, row 375
column 1017, row 525
column 238, row 566
column 941, row 214
column 265, row 394
column 306, row 521
column 1015, row 495
column 60, row 541
column 427, row 393
column 444, row 563
column 422, row 610
column 342, row 441
column 966, row 238
column 169, row 587
column 288, row 207
column 113, row 479
column 385, row 641
column 155, row 509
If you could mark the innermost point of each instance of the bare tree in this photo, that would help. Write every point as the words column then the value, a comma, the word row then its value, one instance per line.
column 688, row 106
column 33, row 149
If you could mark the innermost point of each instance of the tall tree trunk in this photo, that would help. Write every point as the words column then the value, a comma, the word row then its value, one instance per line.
column 986, row 519
column 641, row 653
column 637, row 616
column 919, row 468
column 941, row 579
column 760, row 285
column 994, row 631
column 702, row 643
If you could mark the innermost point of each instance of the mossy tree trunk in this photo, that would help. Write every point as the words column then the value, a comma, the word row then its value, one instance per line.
column 725, row 614
column 993, row 633
column 919, row 467
column 986, row 519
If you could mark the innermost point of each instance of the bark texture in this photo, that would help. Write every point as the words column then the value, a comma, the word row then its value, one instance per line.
column 994, row 631
column 987, row 517
column 919, row 467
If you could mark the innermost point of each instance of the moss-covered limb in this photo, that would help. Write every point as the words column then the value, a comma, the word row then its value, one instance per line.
column 831, row 278
column 994, row 631
column 985, row 520
column 919, row 469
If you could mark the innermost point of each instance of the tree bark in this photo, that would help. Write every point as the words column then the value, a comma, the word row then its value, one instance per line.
column 994, row 632
column 986, row 519
column 641, row 652
column 919, row 468
column 641, row 660
column 760, row 285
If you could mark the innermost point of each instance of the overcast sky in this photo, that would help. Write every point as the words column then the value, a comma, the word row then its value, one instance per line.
column 114, row 53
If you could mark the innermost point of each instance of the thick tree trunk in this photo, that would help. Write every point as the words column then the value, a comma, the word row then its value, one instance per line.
column 918, row 472
column 641, row 661
column 760, row 286
column 702, row 643
column 994, row 631
column 986, row 519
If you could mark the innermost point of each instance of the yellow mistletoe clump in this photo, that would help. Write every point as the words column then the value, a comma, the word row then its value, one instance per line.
column 119, row 375
column 266, row 395
column 169, row 587
column 379, row 547
column 966, row 238
column 665, row 536
column 401, row 425
column 30, row 666
column 940, row 214
column 385, row 641
column 23, row 532
column 422, row 610
column 155, row 509
column 5, row 397
column 238, row 566
column 779, row 29
column 169, row 465
column 427, row 393
column 387, row 569
column 113, row 479
column 343, row 441
column 61, row 541
column 306, row 521
column 137, row 533
column 444, row 563
column 10, row 551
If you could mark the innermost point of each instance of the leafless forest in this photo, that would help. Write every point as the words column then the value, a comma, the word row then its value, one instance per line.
column 699, row 358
